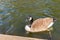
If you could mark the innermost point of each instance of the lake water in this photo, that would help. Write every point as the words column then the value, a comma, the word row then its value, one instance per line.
column 14, row 12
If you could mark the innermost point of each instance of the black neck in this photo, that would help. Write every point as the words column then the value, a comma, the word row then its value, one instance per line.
column 31, row 21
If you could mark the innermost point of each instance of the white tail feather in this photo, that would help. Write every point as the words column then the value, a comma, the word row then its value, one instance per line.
column 50, row 24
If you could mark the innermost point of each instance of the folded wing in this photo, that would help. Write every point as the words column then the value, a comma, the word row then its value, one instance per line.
column 41, row 24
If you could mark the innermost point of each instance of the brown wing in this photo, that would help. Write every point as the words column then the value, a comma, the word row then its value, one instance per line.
column 41, row 24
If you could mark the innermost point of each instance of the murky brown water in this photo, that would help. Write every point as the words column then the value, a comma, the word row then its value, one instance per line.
column 14, row 12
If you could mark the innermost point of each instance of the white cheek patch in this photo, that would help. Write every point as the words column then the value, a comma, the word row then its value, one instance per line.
column 30, row 18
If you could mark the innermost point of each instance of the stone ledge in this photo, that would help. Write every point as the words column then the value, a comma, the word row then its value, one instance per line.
column 10, row 37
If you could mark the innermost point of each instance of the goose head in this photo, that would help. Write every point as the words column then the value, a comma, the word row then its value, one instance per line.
column 29, row 19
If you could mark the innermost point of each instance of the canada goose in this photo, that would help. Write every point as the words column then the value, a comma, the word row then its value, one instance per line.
column 39, row 25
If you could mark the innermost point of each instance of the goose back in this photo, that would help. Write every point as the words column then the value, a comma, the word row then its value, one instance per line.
column 41, row 24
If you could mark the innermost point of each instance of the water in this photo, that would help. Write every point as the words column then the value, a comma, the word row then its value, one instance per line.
column 14, row 12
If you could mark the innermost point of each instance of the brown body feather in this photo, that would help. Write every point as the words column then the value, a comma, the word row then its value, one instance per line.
column 41, row 24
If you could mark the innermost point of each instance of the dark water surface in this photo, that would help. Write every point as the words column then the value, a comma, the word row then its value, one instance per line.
column 14, row 12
